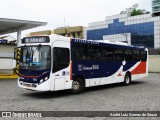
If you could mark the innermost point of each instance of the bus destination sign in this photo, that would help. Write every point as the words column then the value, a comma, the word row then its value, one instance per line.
column 38, row 39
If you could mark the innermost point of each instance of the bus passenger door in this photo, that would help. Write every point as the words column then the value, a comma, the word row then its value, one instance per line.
column 61, row 66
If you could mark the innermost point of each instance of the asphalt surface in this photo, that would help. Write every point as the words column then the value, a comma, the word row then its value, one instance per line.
column 141, row 95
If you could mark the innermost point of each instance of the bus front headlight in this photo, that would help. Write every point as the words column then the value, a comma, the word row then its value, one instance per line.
column 41, row 80
column 46, row 78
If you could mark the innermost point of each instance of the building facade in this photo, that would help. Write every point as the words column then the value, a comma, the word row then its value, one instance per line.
column 140, row 30
column 75, row 31
column 8, row 39
column 6, row 58
column 156, row 7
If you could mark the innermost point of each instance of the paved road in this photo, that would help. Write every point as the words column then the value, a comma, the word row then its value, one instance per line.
column 141, row 95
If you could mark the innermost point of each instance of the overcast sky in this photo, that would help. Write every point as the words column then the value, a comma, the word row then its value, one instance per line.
column 75, row 12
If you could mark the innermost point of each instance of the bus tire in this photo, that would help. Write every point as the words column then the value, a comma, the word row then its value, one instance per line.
column 127, row 79
column 77, row 86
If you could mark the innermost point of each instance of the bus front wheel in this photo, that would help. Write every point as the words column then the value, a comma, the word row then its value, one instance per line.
column 127, row 79
column 77, row 86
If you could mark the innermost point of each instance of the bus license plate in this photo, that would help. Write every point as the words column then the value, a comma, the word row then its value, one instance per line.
column 27, row 85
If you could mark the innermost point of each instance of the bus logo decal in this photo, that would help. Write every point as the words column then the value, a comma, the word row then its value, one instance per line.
column 80, row 67
column 93, row 67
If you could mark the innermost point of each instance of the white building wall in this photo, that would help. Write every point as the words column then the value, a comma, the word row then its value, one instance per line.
column 7, row 63
column 119, row 38
column 85, row 32
column 154, row 63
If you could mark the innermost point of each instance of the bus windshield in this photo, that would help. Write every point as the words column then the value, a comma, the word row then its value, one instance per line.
column 35, row 57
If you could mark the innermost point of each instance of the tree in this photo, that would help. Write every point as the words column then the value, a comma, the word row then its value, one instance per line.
column 133, row 11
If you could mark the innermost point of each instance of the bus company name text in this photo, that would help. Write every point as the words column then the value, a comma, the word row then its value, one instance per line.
column 93, row 67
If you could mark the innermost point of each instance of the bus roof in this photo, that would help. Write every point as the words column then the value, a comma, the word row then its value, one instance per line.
column 107, row 43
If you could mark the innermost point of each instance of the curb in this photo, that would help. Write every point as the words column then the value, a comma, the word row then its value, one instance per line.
column 14, row 76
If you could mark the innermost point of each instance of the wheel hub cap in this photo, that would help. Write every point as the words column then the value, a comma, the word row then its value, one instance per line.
column 75, row 85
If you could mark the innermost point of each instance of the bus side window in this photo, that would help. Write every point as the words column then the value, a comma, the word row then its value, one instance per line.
column 75, row 54
column 118, row 54
column 79, row 52
column 60, row 58
column 94, row 53
column 136, row 55
column 83, row 52
column 107, row 54
column 143, row 55
column 128, row 54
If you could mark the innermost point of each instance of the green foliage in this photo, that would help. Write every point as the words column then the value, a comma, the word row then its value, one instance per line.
column 133, row 11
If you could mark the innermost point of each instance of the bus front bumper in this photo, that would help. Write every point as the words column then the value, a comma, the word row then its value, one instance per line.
column 45, row 86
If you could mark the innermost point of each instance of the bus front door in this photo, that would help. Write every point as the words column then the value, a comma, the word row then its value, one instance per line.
column 61, row 66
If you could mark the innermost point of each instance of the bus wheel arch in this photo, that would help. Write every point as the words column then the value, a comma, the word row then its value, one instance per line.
column 127, row 78
column 78, row 84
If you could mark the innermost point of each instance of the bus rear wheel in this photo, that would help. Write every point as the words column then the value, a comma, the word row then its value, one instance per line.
column 127, row 79
column 77, row 86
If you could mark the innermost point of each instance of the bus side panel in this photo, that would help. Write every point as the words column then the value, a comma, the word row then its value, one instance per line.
column 98, row 73
column 116, row 77
column 109, row 72
column 140, row 71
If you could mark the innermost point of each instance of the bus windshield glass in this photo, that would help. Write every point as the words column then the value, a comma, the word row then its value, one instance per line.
column 35, row 57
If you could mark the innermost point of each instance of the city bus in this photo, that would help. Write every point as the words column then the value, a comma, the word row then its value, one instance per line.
column 54, row 62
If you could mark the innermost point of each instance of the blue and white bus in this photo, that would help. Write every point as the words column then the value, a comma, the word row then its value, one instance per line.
column 52, row 63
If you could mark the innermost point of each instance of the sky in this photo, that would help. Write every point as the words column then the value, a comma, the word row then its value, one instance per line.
column 60, row 13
